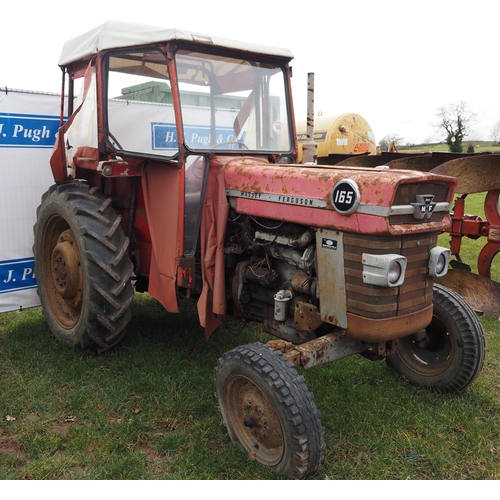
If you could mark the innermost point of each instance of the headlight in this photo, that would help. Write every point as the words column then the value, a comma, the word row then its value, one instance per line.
column 438, row 261
column 384, row 270
column 394, row 273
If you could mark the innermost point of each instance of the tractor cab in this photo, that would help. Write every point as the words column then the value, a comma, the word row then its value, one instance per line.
column 158, row 105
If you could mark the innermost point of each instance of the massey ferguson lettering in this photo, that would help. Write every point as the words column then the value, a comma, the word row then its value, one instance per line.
column 295, row 200
column 278, row 198
column 257, row 196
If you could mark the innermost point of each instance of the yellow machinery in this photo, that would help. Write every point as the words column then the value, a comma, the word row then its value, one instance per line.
column 345, row 134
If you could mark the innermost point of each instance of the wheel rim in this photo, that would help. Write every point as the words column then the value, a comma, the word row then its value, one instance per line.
column 62, row 272
column 431, row 354
column 254, row 421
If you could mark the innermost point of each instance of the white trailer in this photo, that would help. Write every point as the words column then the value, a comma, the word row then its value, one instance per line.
column 28, row 125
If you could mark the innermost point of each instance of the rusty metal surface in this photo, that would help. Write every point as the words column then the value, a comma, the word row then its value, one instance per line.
column 385, row 329
column 424, row 162
column 482, row 294
column 492, row 247
column 301, row 194
column 310, row 148
column 252, row 416
column 328, row 348
column 473, row 226
column 360, row 160
column 63, row 275
column 380, row 302
column 474, row 173
column 307, row 316
column 377, row 160
column 325, row 349
column 186, row 272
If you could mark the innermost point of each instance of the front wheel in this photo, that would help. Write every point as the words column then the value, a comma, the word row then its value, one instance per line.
column 268, row 410
column 449, row 354
column 82, row 267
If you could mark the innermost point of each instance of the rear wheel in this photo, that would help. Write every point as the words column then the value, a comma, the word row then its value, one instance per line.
column 82, row 267
column 449, row 354
column 268, row 410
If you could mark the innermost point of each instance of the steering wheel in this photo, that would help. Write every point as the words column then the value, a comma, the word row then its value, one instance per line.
column 226, row 143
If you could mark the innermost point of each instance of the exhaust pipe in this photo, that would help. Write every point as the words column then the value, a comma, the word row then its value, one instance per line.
column 310, row 148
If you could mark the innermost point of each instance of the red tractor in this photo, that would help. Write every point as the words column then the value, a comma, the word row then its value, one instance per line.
column 176, row 173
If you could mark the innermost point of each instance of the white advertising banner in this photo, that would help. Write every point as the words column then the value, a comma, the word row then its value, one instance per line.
column 28, row 125
column 29, row 122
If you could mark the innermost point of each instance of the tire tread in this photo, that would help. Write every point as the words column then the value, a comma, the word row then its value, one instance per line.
column 103, row 244
column 297, row 401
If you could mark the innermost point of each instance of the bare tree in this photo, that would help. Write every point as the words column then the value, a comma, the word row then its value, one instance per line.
column 495, row 132
column 385, row 142
column 455, row 120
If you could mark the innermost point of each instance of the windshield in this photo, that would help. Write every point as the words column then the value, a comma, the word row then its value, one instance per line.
column 234, row 104
column 226, row 103
column 140, row 110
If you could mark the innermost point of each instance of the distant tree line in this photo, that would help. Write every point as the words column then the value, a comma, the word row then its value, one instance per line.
column 453, row 124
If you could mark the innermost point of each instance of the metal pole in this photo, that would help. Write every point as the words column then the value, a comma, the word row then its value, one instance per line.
column 310, row 148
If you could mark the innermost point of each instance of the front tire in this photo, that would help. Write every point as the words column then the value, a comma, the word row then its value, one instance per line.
column 82, row 267
column 449, row 354
column 268, row 410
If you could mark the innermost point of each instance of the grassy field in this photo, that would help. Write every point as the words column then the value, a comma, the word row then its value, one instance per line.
column 479, row 147
column 147, row 410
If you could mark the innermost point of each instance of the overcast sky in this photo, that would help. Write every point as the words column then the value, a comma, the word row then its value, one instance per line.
column 393, row 62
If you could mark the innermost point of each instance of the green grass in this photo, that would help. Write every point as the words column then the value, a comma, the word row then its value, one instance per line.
column 147, row 410
column 479, row 147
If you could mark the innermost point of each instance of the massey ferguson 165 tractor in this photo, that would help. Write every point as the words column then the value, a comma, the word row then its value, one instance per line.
column 176, row 173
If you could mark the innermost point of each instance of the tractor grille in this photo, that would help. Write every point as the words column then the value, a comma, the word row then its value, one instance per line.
column 379, row 302
column 407, row 193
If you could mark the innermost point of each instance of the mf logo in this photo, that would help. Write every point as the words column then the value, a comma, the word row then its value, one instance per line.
column 423, row 207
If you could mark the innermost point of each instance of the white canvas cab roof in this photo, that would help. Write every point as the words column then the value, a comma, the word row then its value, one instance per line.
column 117, row 34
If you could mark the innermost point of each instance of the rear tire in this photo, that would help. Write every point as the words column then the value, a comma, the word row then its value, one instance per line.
column 268, row 410
column 82, row 267
column 449, row 355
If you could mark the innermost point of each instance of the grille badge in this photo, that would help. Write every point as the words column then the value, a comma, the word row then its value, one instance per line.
column 424, row 206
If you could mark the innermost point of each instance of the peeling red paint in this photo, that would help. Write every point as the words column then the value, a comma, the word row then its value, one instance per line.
column 253, row 176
